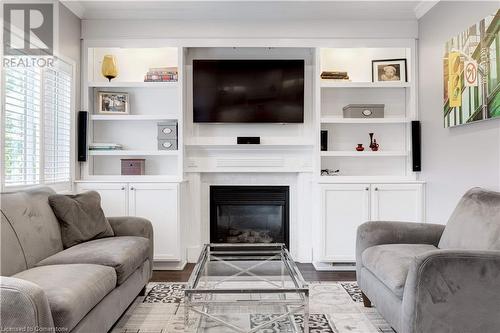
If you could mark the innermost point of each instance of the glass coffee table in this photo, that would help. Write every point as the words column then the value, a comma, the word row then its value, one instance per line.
column 246, row 288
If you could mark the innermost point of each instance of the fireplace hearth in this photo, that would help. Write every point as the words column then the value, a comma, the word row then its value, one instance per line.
column 249, row 214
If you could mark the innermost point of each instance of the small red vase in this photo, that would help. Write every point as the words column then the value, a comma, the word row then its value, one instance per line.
column 360, row 147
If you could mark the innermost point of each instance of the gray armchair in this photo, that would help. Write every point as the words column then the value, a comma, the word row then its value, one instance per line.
column 434, row 278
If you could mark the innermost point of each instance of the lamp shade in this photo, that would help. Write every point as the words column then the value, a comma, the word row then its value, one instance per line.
column 109, row 68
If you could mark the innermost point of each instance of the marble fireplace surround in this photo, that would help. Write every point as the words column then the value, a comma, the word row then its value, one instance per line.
column 301, row 201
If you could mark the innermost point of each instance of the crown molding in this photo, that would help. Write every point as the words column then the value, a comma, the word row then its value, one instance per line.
column 75, row 7
column 423, row 7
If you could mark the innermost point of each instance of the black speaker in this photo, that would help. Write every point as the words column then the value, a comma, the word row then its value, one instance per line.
column 82, row 136
column 248, row 140
column 415, row 146
column 324, row 140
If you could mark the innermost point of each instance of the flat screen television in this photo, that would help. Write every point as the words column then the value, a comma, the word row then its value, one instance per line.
column 248, row 91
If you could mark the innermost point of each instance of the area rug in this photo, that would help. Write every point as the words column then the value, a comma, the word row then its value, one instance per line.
column 334, row 307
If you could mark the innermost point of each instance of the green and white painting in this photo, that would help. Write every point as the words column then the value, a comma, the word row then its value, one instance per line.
column 471, row 73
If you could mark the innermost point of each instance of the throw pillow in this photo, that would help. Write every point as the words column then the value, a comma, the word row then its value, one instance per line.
column 81, row 217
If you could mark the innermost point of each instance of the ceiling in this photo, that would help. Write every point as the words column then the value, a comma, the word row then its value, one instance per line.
column 250, row 10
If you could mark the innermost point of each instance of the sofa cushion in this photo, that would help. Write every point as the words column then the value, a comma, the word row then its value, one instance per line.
column 32, row 225
column 72, row 290
column 81, row 217
column 125, row 254
column 475, row 223
column 390, row 263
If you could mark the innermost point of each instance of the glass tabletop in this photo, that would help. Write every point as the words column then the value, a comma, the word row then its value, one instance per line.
column 245, row 268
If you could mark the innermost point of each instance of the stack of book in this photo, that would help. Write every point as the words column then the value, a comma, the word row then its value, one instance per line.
column 161, row 74
column 333, row 75
column 105, row 146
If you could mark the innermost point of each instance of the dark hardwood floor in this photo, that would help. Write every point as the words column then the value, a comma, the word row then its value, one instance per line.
column 307, row 270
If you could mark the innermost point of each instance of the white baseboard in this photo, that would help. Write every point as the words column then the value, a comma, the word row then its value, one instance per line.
column 337, row 267
column 169, row 265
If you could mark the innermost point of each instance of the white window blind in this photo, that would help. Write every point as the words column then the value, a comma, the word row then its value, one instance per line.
column 57, row 125
column 37, row 125
column 22, row 126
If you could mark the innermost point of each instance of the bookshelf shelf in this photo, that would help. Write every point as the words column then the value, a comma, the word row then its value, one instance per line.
column 117, row 84
column 133, row 152
column 387, row 120
column 341, row 153
column 348, row 84
column 133, row 117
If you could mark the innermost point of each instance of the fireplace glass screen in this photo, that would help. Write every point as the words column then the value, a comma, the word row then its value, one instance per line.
column 249, row 214
column 250, row 224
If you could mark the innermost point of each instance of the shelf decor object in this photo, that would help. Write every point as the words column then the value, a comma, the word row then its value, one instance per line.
column 389, row 70
column 109, row 68
column 133, row 166
column 363, row 111
column 112, row 102
column 167, row 135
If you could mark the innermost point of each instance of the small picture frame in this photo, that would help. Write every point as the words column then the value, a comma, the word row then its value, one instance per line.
column 389, row 70
column 111, row 102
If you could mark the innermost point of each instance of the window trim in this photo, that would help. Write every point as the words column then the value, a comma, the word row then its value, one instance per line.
column 65, row 186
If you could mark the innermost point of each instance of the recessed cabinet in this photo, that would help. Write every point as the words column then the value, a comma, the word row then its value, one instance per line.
column 397, row 202
column 346, row 206
column 157, row 202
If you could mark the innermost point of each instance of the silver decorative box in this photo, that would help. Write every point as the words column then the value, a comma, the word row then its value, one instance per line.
column 168, row 144
column 364, row 111
column 167, row 130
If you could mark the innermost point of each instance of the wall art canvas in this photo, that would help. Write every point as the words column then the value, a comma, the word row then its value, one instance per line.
column 471, row 69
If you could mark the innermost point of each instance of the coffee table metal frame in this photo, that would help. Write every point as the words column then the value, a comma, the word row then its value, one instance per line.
column 262, row 254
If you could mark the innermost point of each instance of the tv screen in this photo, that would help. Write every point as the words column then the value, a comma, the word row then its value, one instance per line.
column 248, row 91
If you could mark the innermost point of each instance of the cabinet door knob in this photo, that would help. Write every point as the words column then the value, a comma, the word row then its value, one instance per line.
column 123, row 188
column 132, row 188
column 376, row 188
column 367, row 188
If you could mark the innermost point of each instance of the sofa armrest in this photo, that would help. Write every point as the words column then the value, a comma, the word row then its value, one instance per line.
column 453, row 291
column 134, row 226
column 382, row 232
column 23, row 307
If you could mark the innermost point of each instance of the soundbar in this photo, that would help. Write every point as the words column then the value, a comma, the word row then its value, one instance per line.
column 248, row 140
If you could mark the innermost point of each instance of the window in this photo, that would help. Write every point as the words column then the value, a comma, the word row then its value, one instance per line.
column 37, row 125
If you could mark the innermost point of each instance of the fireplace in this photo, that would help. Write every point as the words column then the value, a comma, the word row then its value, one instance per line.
column 249, row 214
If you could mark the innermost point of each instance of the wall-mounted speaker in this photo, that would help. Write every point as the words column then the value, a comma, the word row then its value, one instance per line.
column 82, row 136
column 415, row 146
column 324, row 140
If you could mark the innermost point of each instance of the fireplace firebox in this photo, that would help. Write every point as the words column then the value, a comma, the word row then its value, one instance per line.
column 249, row 214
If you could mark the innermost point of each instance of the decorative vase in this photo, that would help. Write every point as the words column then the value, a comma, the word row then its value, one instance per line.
column 360, row 147
column 109, row 69
column 373, row 143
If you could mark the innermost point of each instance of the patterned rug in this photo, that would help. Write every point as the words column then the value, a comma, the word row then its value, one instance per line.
column 334, row 307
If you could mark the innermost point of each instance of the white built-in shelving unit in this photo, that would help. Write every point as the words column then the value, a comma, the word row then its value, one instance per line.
column 391, row 132
column 150, row 104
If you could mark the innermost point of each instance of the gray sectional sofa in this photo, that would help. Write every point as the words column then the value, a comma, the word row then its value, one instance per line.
column 84, row 288
column 428, row 278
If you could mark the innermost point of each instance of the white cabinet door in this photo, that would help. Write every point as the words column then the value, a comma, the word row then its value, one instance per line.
column 344, row 208
column 114, row 196
column 158, row 203
column 397, row 202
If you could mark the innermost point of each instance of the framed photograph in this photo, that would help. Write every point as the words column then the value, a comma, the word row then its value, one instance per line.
column 111, row 102
column 389, row 70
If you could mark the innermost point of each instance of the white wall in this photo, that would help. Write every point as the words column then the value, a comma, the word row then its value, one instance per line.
column 453, row 159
